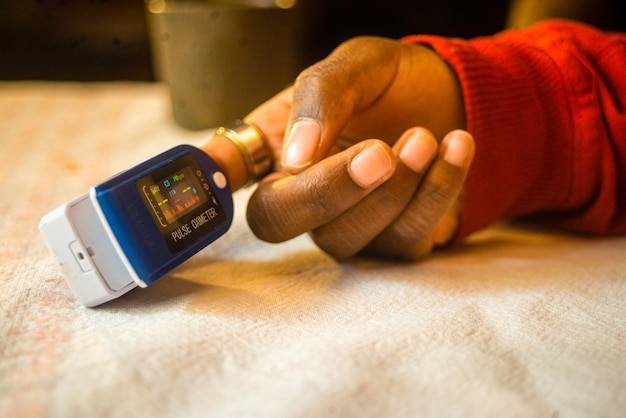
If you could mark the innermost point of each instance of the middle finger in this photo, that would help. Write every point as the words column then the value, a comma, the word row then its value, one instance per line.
column 347, row 234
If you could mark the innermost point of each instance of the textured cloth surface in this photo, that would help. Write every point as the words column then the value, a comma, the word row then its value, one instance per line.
column 516, row 322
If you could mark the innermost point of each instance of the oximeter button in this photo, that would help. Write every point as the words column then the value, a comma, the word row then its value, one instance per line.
column 82, row 256
column 219, row 179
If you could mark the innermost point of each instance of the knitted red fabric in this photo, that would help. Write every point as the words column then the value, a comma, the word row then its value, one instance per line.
column 547, row 108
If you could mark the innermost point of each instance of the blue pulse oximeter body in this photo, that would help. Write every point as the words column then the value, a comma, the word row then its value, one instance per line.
column 140, row 224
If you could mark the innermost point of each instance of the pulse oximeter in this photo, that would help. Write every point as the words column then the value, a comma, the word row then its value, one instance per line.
column 140, row 224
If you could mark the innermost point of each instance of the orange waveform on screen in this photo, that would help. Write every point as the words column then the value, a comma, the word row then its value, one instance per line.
column 180, row 207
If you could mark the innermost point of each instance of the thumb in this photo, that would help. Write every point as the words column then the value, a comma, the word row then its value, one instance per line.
column 327, row 94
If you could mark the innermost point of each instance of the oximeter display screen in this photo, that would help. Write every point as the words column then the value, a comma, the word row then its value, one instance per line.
column 175, row 195
column 181, row 202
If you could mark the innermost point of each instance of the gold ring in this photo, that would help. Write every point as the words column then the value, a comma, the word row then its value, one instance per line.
column 253, row 147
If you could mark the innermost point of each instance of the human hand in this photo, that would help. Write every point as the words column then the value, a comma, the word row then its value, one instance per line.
column 396, row 202
column 397, row 196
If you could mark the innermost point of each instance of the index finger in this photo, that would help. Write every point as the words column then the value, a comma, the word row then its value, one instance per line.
column 285, row 206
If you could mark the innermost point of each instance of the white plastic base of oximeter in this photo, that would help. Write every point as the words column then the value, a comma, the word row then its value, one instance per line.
column 91, row 261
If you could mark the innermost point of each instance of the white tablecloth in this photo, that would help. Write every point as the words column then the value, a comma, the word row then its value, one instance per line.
column 516, row 323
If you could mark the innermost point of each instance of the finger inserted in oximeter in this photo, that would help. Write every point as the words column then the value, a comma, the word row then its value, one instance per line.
column 139, row 225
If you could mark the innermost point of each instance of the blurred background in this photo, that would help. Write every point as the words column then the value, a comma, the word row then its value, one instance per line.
column 221, row 58
column 74, row 40
column 108, row 39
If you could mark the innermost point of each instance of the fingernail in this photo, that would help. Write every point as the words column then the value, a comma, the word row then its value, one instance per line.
column 302, row 143
column 370, row 166
column 458, row 145
column 418, row 150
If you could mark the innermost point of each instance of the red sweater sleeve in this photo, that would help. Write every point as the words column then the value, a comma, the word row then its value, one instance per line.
column 547, row 108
